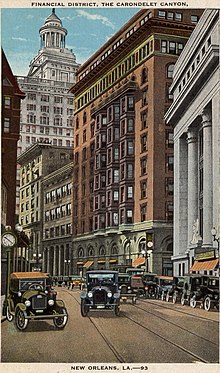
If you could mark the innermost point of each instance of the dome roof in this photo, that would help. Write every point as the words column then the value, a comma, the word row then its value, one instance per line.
column 53, row 18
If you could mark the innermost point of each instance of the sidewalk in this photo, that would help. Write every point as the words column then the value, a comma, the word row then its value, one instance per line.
column 3, row 318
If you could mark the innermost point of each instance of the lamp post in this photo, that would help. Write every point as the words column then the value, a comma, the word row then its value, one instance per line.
column 214, row 234
column 67, row 264
column 147, row 253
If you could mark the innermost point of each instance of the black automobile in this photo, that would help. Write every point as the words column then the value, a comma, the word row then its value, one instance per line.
column 126, row 291
column 164, row 284
column 211, row 293
column 175, row 292
column 101, row 292
column 31, row 297
column 150, row 284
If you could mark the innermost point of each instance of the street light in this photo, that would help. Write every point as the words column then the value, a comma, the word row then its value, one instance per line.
column 147, row 253
column 67, row 263
column 214, row 234
column 37, row 258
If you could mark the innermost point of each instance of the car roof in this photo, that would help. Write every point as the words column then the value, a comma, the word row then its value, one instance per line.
column 165, row 277
column 19, row 275
column 101, row 271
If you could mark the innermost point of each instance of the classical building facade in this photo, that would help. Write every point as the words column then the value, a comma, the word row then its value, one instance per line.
column 194, row 115
column 123, row 151
column 37, row 163
column 57, row 221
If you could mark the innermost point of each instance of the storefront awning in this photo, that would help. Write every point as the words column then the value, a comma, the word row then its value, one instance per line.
column 88, row 264
column 113, row 261
column 138, row 262
column 79, row 263
column 208, row 265
column 101, row 261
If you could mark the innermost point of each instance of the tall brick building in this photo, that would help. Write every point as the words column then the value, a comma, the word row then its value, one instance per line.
column 123, row 151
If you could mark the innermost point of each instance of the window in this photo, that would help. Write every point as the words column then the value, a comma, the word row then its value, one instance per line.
column 130, row 170
column 170, row 163
column 169, row 139
column 144, row 143
column 116, row 176
column 130, row 125
column 178, row 16
column 144, row 75
column 115, row 195
column 194, row 19
column 115, row 218
column 170, row 69
column 163, row 46
column 130, row 148
column 7, row 102
column 143, row 187
column 143, row 211
column 130, row 192
column 144, row 120
column 145, row 97
column 143, row 162
column 6, row 125
column 170, row 15
column 169, row 211
column 129, row 216
column 161, row 14
column 169, row 186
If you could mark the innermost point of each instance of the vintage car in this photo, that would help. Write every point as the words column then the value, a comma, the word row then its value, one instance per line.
column 101, row 292
column 126, row 291
column 150, row 284
column 31, row 297
column 175, row 292
column 76, row 280
column 138, row 286
column 164, row 284
column 202, row 290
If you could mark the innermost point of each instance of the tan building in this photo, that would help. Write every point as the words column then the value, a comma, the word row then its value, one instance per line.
column 123, row 151
column 57, row 221
column 37, row 162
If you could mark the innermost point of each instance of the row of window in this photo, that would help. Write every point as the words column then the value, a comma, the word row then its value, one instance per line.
column 58, row 193
column 46, row 140
column 176, row 16
column 58, row 212
column 57, row 121
column 61, row 230
column 47, row 130
column 47, row 98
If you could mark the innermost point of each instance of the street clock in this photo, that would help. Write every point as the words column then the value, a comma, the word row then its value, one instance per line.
column 9, row 240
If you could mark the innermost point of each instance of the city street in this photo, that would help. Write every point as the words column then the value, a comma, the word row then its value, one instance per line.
column 152, row 331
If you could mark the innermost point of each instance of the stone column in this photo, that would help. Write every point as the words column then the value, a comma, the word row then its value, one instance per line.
column 192, row 139
column 54, row 261
column 207, row 177
column 59, row 265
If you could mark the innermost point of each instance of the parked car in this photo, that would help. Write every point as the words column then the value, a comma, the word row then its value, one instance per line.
column 31, row 297
column 126, row 291
column 76, row 280
column 175, row 292
column 150, row 284
column 138, row 286
column 164, row 284
column 101, row 292
column 201, row 289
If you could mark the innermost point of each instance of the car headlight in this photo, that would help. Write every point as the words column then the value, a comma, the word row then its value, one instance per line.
column 27, row 303
column 129, row 287
column 90, row 294
column 51, row 302
column 109, row 294
column 46, row 291
column 116, row 295
column 19, row 294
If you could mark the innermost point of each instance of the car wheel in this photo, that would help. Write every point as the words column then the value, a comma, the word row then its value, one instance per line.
column 192, row 301
column 21, row 321
column 60, row 321
column 182, row 300
column 174, row 298
column 84, row 308
column 207, row 303
column 163, row 296
column 117, row 310
column 167, row 297
column 9, row 316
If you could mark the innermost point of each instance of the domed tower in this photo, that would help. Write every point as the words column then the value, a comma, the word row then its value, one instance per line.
column 54, row 61
column 52, row 33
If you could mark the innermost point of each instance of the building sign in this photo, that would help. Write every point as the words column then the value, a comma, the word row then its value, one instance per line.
column 205, row 255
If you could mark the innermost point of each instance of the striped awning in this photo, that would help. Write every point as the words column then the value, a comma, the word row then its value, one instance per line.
column 101, row 261
column 113, row 261
column 138, row 262
column 208, row 265
column 88, row 264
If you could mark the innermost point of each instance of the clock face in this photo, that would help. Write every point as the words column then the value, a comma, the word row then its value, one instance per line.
column 8, row 239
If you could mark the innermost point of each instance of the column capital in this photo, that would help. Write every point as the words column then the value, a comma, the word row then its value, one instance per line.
column 192, row 136
column 206, row 116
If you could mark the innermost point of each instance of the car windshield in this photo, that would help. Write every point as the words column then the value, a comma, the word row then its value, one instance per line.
column 213, row 283
column 31, row 284
column 102, row 279
column 166, row 282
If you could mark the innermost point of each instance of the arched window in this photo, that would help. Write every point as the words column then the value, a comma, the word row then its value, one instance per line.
column 170, row 70
column 90, row 251
column 84, row 118
column 102, row 251
column 80, row 252
column 144, row 75
column 114, row 249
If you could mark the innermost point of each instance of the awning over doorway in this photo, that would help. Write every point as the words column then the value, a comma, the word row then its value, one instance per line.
column 137, row 262
column 101, row 261
column 113, row 260
column 88, row 264
column 208, row 265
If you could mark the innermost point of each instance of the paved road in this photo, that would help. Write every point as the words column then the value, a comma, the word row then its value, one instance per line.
column 151, row 331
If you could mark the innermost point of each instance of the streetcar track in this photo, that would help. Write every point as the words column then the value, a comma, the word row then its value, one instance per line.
column 177, row 310
column 118, row 356
column 121, row 359
column 178, row 326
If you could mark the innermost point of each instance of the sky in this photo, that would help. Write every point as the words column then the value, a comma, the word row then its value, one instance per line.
column 88, row 29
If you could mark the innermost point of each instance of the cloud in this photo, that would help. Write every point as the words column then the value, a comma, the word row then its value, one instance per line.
column 19, row 39
column 96, row 17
